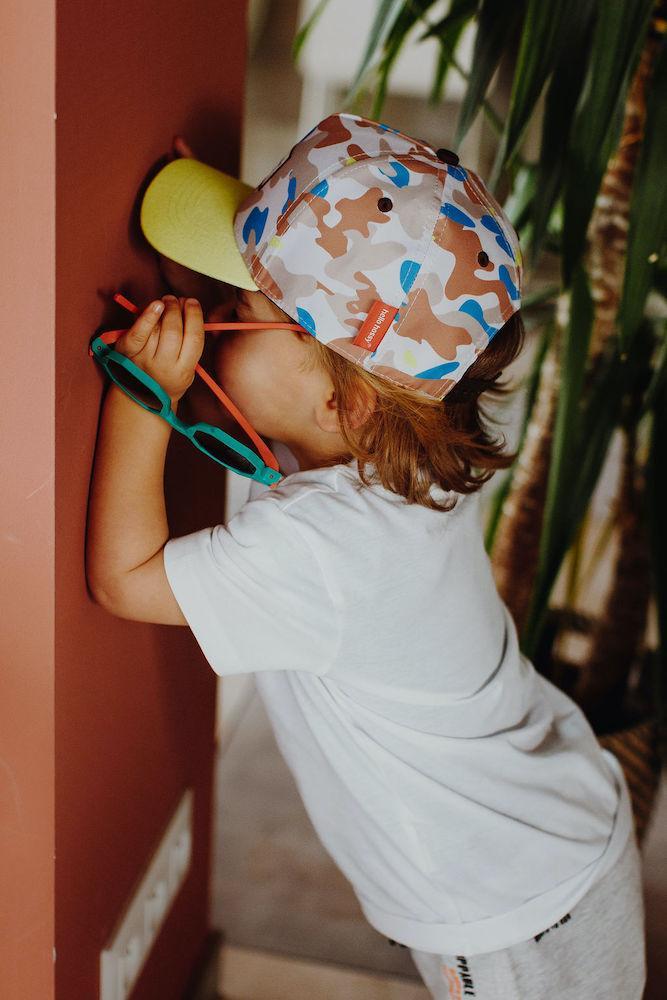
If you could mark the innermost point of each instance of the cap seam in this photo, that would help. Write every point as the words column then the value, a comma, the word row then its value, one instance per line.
column 489, row 207
column 409, row 138
column 362, row 158
column 428, row 229
column 420, row 282
column 503, row 314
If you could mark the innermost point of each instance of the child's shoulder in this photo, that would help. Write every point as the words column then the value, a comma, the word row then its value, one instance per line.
column 297, row 486
column 303, row 493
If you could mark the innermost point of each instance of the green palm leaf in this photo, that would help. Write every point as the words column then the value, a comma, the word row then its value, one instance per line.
column 561, row 99
column 448, row 31
column 619, row 35
column 306, row 28
column 400, row 29
column 545, row 29
column 496, row 22
column 385, row 18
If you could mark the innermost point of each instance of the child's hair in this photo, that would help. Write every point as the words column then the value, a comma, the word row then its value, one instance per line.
column 413, row 441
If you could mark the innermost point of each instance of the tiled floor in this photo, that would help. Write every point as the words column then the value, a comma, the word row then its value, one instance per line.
column 292, row 924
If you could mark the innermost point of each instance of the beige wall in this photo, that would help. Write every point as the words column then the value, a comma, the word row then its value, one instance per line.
column 103, row 722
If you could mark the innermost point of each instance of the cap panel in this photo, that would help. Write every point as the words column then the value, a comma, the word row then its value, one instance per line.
column 458, row 305
column 341, row 252
column 508, row 231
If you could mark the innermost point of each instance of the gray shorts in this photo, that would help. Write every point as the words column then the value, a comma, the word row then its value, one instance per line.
column 596, row 951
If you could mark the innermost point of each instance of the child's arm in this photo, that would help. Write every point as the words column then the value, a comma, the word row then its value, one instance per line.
column 127, row 518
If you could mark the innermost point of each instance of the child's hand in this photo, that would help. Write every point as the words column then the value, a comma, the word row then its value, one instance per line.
column 160, row 346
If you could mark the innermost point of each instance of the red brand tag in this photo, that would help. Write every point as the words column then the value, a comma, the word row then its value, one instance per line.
column 379, row 319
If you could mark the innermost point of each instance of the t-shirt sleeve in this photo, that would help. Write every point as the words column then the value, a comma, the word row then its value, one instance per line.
column 254, row 593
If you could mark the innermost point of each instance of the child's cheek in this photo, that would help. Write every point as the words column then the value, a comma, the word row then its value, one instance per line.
column 227, row 360
column 217, row 363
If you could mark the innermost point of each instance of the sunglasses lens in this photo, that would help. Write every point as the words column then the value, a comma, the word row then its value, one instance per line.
column 134, row 387
column 218, row 449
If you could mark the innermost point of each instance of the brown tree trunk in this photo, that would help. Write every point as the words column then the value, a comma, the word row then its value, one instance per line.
column 619, row 631
column 608, row 228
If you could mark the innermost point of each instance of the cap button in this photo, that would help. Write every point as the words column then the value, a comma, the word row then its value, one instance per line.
column 447, row 156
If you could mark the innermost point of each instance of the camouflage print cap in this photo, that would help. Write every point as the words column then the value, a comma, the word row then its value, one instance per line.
column 389, row 252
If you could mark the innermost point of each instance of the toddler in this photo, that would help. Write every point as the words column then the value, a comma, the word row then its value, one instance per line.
column 464, row 796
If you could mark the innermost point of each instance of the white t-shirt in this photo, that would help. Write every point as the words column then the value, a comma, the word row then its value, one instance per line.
column 465, row 797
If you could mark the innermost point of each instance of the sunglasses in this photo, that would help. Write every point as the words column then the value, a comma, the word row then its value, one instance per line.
column 213, row 441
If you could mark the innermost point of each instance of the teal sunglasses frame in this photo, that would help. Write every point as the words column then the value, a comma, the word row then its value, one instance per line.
column 265, row 464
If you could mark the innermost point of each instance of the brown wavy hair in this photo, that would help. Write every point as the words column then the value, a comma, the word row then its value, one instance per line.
column 415, row 442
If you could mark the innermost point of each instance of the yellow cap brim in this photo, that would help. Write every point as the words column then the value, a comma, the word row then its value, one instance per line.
column 187, row 214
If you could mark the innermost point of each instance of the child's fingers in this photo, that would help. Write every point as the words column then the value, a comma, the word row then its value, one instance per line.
column 194, row 335
column 135, row 339
column 171, row 332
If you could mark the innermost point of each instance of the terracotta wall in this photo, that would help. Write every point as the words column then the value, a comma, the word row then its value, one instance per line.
column 103, row 722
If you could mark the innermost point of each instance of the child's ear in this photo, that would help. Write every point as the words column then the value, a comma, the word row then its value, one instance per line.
column 358, row 414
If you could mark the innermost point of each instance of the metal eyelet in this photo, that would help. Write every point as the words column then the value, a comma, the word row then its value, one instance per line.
column 447, row 156
column 385, row 204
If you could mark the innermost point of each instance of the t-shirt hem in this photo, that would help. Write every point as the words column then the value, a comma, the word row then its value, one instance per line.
column 521, row 924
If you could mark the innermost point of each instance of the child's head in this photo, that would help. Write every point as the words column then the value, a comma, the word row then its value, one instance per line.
column 295, row 389
column 403, row 272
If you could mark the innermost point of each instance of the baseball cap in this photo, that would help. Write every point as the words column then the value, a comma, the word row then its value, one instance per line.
column 391, row 253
